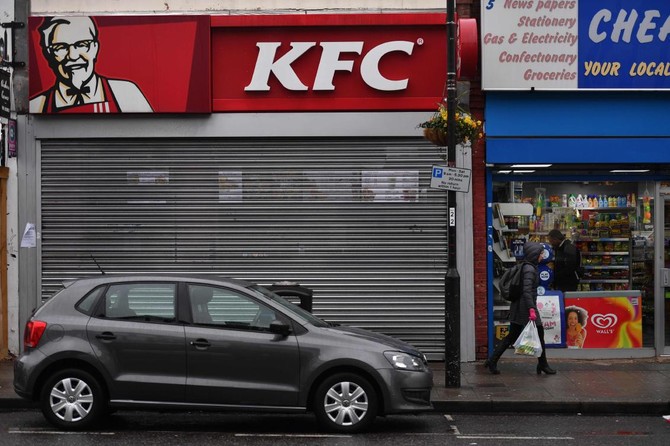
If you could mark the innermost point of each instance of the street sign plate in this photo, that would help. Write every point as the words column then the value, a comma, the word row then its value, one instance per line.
column 450, row 178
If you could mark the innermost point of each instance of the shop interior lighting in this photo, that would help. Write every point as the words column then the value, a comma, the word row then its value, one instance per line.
column 523, row 171
column 629, row 170
column 504, row 171
column 530, row 165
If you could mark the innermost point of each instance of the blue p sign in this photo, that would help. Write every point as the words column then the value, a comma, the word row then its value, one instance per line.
column 438, row 172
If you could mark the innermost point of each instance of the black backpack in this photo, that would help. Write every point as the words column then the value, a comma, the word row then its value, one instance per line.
column 511, row 284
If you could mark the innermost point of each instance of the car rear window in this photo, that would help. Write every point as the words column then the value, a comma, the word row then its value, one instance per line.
column 87, row 304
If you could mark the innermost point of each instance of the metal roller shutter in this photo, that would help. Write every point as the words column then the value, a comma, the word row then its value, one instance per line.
column 354, row 220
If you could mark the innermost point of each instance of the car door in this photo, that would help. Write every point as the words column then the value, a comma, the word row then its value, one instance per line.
column 232, row 356
column 137, row 339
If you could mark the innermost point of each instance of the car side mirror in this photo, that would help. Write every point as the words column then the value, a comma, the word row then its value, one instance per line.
column 280, row 328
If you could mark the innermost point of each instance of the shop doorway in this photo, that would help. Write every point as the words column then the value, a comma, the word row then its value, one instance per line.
column 664, row 306
column 612, row 224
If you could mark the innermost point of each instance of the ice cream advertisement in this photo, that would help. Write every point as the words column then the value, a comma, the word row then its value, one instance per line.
column 611, row 320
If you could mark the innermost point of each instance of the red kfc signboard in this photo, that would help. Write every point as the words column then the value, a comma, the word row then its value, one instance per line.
column 329, row 62
column 200, row 64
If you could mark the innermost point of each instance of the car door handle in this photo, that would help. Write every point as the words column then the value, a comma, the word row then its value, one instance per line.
column 106, row 336
column 201, row 343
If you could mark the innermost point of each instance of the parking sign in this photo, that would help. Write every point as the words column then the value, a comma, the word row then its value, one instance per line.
column 450, row 178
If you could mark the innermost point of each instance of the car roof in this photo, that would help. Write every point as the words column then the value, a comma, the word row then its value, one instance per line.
column 114, row 278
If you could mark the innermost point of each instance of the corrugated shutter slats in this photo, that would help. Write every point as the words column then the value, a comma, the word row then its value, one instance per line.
column 354, row 220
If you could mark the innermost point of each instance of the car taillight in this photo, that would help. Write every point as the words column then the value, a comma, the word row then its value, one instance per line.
column 33, row 333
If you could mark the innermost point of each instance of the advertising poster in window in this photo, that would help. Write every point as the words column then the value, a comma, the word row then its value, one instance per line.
column 390, row 185
column 230, row 186
column 551, row 308
column 604, row 319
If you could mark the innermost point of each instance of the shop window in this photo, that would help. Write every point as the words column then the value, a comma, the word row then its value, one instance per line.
column 610, row 224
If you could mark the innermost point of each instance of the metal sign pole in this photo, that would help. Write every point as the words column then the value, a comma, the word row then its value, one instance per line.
column 452, row 303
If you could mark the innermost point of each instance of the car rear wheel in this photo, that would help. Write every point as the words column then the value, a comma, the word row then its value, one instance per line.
column 72, row 400
column 345, row 402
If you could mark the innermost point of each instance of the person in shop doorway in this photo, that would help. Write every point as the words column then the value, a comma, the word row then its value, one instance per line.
column 523, row 309
column 71, row 46
column 566, row 262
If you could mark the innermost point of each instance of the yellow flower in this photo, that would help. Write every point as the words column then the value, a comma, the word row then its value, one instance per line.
column 466, row 127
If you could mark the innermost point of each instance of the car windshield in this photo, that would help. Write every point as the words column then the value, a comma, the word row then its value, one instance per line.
column 291, row 307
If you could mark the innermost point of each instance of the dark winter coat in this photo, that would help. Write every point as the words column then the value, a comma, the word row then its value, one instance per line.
column 566, row 265
column 530, row 278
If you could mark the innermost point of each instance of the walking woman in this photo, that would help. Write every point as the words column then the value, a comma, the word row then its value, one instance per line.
column 523, row 309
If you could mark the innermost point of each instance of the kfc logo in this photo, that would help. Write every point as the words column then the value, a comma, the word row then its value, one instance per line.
column 604, row 321
column 331, row 61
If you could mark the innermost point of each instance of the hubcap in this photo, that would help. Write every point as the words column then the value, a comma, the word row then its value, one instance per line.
column 71, row 399
column 346, row 403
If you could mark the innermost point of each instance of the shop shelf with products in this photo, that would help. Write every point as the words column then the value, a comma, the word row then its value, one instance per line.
column 606, row 263
column 604, row 240
column 562, row 218
column 510, row 224
column 643, row 280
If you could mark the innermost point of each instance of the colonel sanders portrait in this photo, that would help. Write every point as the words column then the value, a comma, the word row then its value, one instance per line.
column 71, row 47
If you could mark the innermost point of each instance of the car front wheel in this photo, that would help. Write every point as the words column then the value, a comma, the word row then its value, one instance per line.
column 345, row 402
column 72, row 400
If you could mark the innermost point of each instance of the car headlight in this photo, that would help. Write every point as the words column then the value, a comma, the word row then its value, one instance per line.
column 404, row 361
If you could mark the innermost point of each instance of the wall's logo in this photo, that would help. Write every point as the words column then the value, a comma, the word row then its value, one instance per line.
column 604, row 321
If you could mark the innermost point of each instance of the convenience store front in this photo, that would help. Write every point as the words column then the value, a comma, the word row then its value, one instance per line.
column 603, row 182
column 579, row 91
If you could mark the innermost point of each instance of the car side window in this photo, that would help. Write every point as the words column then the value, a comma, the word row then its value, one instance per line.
column 87, row 304
column 228, row 308
column 150, row 302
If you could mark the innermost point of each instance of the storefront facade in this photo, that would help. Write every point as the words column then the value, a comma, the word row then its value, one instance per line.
column 584, row 151
column 297, row 167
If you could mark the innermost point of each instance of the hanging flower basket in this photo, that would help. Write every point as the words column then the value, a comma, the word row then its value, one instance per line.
column 436, row 136
column 467, row 128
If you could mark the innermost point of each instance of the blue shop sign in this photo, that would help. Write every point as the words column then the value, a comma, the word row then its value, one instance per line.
column 624, row 44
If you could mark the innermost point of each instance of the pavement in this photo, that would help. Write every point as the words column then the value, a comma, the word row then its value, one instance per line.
column 630, row 386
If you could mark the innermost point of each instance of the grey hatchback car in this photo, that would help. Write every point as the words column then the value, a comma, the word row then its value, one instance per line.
column 190, row 343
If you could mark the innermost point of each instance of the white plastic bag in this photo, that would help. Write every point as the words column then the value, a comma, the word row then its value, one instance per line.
column 528, row 342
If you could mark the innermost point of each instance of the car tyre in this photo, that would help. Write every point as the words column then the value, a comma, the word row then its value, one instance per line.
column 72, row 400
column 345, row 403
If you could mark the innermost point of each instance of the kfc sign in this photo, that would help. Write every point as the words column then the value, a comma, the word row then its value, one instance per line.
column 334, row 62
column 329, row 62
